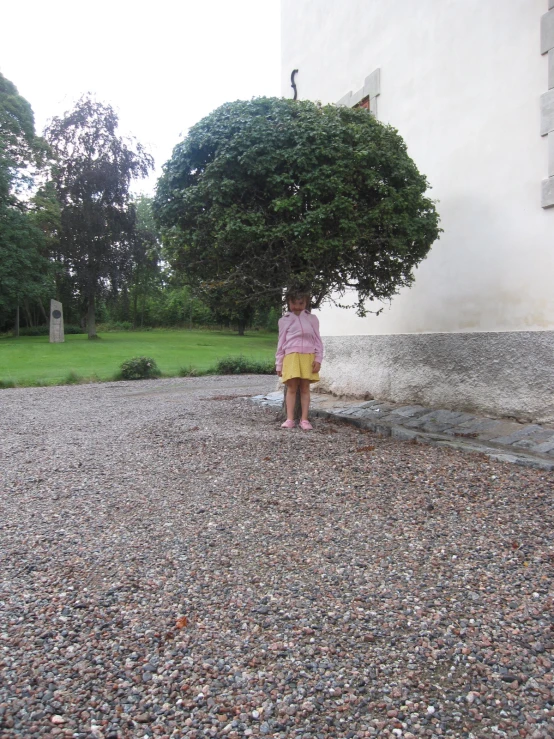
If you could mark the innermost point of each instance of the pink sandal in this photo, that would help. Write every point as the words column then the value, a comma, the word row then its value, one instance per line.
column 288, row 424
column 306, row 426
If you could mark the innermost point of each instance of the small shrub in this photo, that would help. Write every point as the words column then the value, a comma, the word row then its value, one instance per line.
column 45, row 330
column 244, row 366
column 72, row 378
column 189, row 372
column 34, row 331
column 139, row 368
column 272, row 322
column 115, row 326
column 70, row 328
column 6, row 384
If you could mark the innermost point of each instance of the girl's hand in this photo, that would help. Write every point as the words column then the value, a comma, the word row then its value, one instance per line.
column 280, row 373
column 316, row 366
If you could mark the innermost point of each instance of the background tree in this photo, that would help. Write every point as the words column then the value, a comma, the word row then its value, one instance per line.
column 20, row 149
column 92, row 174
column 272, row 193
column 23, row 266
column 24, row 271
column 146, row 274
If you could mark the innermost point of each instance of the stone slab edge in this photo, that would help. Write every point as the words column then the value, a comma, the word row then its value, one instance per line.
column 494, row 451
column 491, row 449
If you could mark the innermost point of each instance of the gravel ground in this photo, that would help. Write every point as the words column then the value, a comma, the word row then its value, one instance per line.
column 173, row 564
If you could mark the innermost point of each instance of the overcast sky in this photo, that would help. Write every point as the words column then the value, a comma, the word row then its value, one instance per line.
column 162, row 65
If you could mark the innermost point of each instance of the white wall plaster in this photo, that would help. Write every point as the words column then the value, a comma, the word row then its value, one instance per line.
column 465, row 96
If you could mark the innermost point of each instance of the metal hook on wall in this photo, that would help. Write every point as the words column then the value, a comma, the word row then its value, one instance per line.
column 293, row 83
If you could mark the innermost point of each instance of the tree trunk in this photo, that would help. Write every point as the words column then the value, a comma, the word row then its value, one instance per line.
column 241, row 327
column 28, row 316
column 16, row 327
column 44, row 315
column 91, row 318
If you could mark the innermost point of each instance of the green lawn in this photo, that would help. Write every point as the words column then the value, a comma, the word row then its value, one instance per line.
column 33, row 360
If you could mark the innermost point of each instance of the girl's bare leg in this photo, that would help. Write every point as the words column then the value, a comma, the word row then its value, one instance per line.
column 305, row 398
column 292, row 387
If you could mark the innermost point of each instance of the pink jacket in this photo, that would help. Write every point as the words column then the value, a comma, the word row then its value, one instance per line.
column 298, row 334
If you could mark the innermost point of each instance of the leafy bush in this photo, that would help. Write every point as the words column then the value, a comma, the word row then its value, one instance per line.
column 34, row 331
column 189, row 371
column 45, row 330
column 243, row 366
column 139, row 368
column 272, row 320
column 6, row 384
column 115, row 326
column 72, row 378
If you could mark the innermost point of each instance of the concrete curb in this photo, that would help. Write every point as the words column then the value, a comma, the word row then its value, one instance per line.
column 495, row 438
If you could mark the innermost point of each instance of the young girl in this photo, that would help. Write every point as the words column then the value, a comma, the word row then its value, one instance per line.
column 299, row 355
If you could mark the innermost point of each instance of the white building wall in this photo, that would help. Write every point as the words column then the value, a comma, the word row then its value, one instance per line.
column 462, row 81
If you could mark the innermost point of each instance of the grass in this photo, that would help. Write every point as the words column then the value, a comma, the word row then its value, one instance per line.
column 32, row 360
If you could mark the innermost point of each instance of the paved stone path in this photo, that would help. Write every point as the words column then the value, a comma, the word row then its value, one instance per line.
column 529, row 445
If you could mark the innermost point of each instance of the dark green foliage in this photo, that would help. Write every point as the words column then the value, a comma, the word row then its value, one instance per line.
column 45, row 330
column 139, row 368
column 190, row 372
column 116, row 326
column 144, row 276
column 72, row 378
column 272, row 193
column 244, row 366
column 71, row 329
column 24, row 271
column 92, row 175
column 34, row 331
column 20, row 148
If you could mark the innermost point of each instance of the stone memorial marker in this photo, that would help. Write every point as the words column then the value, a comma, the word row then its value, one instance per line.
column 56, row 322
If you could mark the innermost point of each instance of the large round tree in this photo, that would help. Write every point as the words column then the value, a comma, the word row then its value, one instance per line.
column 272, row 192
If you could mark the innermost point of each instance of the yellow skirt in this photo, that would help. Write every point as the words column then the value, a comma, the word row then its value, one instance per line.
column 299, row 365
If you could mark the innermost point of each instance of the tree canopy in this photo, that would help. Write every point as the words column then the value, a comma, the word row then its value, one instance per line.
column 24, row 269
column 92, row 174
column 271, row 193
column 20, row 148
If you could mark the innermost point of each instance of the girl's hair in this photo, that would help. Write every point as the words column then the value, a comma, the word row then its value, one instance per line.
column 294, row 294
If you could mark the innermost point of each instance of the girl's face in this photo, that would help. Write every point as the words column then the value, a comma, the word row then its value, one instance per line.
column 297, row 306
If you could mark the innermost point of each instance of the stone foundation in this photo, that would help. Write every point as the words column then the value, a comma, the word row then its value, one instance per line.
column 503, row 374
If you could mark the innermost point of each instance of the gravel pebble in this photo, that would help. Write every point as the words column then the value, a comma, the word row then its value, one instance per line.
column 173, row 564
